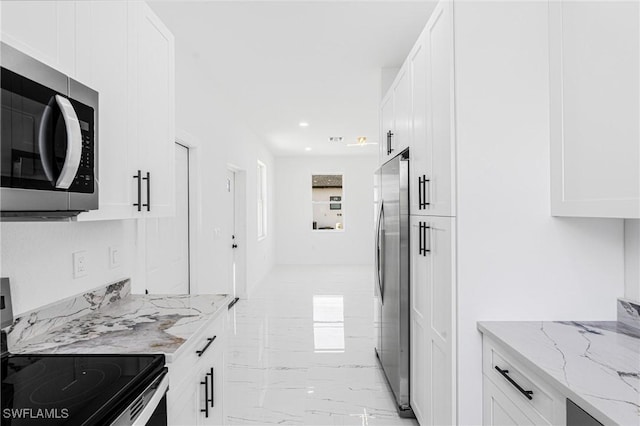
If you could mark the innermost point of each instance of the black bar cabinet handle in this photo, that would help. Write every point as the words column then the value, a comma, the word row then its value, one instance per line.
column 205, row 410
column 139, row 203
column 210, row 341
column 420, row 238
column 505, row 374
column 389, row 136
column 148, row 179
column 425, row 203
column 210, row 373
column 419, row 192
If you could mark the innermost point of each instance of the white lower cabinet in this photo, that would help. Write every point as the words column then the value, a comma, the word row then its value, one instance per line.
column 432, row 313
column 196, row 379
column 514, row 395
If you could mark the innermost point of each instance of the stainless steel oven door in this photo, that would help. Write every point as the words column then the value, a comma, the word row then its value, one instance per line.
column 150, row 408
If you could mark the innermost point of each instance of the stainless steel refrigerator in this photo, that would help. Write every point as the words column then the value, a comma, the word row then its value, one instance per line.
column 391, row 300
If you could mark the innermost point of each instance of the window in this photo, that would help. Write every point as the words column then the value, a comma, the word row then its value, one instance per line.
column 327, row 202
column 262, row 200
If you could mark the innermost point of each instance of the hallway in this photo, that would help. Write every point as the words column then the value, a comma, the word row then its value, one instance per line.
column 307, row 358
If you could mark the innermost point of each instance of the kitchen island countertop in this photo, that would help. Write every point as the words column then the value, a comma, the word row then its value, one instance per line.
column 595, row 364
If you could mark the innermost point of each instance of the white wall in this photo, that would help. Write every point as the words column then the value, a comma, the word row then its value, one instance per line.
column 296, row 242
column 515, row 261
column 223, row 140
column 632, row 259
column 37, row 257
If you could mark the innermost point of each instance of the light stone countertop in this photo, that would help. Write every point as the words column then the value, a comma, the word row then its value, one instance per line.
column 133, row 324
column 595, row 364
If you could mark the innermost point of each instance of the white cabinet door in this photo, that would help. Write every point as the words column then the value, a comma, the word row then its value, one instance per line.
column 211, row 389
column 595, row 108
column 432, row 142
column 42, row 29
column 102, row 30
column 153, row 53
column 433, row 301
column 386, row 127
column 401, row 111
column 498, row 410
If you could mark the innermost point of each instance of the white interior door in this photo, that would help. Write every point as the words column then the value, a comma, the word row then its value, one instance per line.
column 231, row 234
column 167, row 238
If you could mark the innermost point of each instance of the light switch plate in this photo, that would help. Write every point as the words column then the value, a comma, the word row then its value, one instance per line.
column 80, row 267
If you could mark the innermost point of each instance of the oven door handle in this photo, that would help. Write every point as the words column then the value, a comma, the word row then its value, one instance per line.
column 151, row 406
column 74, row 143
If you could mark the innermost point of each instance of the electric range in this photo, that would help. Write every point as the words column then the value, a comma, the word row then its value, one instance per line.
column 83, row 389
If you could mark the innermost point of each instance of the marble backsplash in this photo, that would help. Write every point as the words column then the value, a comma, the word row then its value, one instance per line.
column 44, row 319
column 629, row 313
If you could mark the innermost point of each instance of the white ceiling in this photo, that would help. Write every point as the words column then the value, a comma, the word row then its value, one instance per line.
column 282, row 63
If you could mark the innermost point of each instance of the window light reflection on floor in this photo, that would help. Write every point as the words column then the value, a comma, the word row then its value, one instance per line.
column 328, row 324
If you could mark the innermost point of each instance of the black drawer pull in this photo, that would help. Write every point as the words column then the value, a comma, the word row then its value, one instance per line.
column 205, row 410
column 505, row 374
column 210, row 341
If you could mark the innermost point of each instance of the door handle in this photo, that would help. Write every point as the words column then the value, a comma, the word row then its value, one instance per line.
column 139, row 203
column 210, row 373
column 148, row 179
column 422, row 248
column 74, row 143
column 389, row 136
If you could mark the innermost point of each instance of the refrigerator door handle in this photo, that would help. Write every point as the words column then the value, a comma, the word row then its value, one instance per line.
column 380, row 252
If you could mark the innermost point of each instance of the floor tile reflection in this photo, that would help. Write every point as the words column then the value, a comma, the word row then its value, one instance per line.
column 301, row 352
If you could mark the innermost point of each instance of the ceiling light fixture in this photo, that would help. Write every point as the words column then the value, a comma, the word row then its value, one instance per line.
column 308, row 148
column 303, row 124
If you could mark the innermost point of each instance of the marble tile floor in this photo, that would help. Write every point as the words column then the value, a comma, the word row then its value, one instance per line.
column 300, row 352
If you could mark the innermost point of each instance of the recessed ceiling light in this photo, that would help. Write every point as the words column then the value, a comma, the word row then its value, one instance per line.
column 303, row 124
column 308, row 148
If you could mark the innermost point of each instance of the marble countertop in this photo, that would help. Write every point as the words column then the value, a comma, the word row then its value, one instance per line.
column 134, row 324
column 595, row 364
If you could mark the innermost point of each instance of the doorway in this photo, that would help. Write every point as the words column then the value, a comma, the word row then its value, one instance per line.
column 168, row 240
column 236, row 235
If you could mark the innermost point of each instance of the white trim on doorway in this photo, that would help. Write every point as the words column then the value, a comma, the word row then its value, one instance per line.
column 195, row 206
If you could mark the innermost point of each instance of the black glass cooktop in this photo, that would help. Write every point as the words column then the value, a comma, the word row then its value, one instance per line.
column 73, row 389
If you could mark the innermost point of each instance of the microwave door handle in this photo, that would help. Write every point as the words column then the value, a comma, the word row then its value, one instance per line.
column 74, row 143
column 44, row 145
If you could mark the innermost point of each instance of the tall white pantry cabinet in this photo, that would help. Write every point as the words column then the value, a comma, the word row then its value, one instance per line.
column 122, row 50
column 485, row 98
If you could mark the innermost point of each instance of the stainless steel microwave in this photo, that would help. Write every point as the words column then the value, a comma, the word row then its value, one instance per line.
column 49, row 155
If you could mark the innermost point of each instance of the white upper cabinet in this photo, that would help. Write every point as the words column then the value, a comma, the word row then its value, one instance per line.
column 401, row 112
column 42, row 29
column 595, row 109
column 386, row 127
column 431, row 118
column 395, row 117
column 103, row 64
column 124, row 52
column 127, row 55
column 153, row 51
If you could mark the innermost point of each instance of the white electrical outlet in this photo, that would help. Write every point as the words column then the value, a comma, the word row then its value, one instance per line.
column 114, row 257
column 80, row 267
